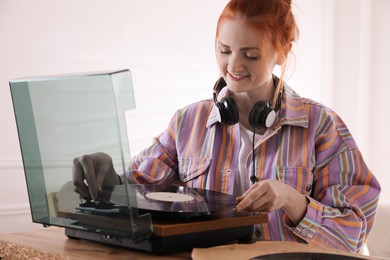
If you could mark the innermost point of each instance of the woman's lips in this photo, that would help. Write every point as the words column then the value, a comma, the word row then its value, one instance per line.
column 237, row 77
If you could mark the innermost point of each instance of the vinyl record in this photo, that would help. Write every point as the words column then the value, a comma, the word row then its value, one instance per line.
column 175, row 201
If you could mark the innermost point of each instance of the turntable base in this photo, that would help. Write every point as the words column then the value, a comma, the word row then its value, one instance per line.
column 180, row 235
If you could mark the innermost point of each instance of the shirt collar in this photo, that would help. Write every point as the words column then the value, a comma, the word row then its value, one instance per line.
column 292, row 111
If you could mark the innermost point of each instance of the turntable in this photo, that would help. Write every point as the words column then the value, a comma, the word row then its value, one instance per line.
column 62, row 117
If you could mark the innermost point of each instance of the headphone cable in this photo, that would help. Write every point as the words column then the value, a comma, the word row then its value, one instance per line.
column 253, row 177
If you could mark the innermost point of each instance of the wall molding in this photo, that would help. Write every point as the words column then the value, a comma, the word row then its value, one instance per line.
column 11, row 164
column 12, row 210
column 18, row 164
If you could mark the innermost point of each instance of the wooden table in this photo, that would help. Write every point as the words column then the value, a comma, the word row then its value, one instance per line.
column 51, row 243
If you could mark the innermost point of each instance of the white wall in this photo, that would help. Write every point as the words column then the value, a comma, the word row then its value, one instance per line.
column 379, row 120
column 168, row 46
column 361, row 88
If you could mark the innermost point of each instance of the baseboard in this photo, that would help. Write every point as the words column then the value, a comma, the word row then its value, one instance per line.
column 17, row 218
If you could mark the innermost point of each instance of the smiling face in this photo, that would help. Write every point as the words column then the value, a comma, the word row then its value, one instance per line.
column 245, row 59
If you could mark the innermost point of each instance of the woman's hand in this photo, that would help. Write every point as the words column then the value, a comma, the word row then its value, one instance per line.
column 270, row 195
column 98, row 172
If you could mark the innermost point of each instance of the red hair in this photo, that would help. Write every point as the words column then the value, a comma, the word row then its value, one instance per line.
column 272, row 18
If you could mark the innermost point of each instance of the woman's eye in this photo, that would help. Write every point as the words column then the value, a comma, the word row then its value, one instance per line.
column 251, row 57
column 225, row 51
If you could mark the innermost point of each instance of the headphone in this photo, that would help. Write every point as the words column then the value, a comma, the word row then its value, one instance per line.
column 262, row 115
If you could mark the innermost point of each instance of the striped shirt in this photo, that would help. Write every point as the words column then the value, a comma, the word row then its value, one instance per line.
column 308, row 148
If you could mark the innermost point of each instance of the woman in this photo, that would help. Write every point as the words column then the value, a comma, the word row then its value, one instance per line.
column 257, row 139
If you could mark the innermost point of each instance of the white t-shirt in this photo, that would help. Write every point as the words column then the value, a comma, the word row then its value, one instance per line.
column 242, row 182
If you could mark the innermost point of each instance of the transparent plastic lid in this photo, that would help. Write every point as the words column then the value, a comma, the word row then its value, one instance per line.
column 63, row 117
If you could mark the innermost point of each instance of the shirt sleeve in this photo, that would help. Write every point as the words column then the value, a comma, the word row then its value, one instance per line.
column 157, row 163
column 343, row 202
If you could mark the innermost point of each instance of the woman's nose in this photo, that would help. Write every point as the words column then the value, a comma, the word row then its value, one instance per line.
column 235, row 63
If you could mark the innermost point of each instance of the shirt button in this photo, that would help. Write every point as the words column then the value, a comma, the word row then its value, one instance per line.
column 308, row 188
column 304, row 232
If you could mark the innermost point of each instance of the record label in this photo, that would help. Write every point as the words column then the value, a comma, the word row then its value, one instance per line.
column 169, row 197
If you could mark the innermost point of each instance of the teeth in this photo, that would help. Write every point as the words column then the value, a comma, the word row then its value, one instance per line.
column 238, row 76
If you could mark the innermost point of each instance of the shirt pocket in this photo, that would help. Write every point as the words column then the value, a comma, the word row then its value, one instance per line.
column 192, row 167
column 300, row 178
